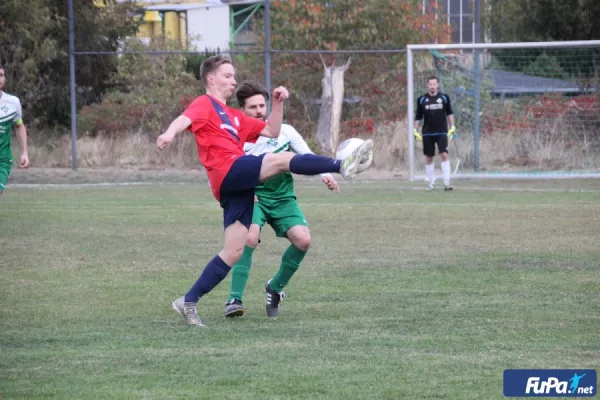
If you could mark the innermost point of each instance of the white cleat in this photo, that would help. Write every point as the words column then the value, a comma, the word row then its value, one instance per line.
column 349, row 167
column 187, row 311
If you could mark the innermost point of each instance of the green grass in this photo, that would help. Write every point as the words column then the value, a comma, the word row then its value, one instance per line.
column 404, row 294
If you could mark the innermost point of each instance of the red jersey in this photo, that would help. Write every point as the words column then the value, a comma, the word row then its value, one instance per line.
column 220, row 144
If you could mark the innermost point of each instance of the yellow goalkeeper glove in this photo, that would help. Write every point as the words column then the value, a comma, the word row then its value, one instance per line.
column 452, row 133
column 417, row 135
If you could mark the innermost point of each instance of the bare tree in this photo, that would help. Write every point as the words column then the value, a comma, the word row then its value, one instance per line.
column 332, row 98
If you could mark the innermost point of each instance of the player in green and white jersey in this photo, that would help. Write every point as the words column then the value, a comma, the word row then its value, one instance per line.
column 11, row 114
column 275, row 204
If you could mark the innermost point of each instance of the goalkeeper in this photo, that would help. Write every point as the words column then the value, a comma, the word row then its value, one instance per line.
column 276, row 205
column 435, row 110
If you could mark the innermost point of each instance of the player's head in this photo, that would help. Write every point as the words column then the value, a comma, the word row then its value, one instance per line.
column 433, row 84
column 218, row 75
column 252, row 98
column 2, row 78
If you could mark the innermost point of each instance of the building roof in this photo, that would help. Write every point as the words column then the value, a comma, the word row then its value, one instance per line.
column 193, row 6
column 505, row 82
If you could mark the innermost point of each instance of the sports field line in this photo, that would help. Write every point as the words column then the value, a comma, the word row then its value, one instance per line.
column 418, row 187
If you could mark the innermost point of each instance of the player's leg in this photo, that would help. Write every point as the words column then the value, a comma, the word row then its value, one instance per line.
column 444, row 161
column 214, row 272
column 429, row 152
column 312, row 164
column 241, row 270
column 237, row 201
column 5, row 167
column 288, row 221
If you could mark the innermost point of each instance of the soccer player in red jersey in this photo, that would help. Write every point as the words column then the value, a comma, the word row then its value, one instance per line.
column 220, row 134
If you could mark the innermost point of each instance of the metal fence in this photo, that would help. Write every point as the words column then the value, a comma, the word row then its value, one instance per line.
column 268, row 55
column 380, row 89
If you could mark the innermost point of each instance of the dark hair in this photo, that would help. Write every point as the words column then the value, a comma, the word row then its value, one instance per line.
column 248, row 89
column 432, row 77
column 211, row 64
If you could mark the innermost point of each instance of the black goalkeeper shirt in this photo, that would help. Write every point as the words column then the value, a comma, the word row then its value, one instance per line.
column 433, row 111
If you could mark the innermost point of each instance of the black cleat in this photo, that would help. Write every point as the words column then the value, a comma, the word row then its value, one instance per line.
column 273, row 300
column 234, row 308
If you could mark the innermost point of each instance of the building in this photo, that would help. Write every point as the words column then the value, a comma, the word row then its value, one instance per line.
column 459, row 14
column 202, row 24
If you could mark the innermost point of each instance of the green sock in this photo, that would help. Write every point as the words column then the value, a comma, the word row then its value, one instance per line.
column 239, row 274
column 290, row 261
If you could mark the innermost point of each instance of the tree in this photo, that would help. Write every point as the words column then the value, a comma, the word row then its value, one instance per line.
column 347, row 24
column 376, row 81
column 34, row 52
column 541, row 21
column 544, row 20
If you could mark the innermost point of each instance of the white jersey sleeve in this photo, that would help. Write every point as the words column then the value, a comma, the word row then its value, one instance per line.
column 269, row 145
column 14, row 104
column 19, row 115
column 297, row 143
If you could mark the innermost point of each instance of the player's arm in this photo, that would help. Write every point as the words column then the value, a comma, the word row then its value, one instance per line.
column 450, row 115
column 195, row 116
column 178, row 125
column 275, row 120
column 451, row 120
column 418, row 119
column 299, row 146
column 418, row 113
column 21, row 132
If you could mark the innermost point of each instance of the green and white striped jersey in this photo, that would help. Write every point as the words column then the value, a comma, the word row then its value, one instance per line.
column 10, row 113
column 280, row 186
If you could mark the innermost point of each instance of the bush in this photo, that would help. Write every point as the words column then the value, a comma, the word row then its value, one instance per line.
column 153, row 91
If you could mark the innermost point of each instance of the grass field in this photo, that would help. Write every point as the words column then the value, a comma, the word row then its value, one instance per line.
column 405, row 294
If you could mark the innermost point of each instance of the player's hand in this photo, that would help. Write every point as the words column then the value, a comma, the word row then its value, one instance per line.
column 452, row 133
column 280, row 94
column 255, row 198
column 163, row 140
column 331, row 183
column 417, row 135
column 24, row 161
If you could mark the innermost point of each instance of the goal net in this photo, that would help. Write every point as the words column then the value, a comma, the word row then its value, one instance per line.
column 521, row 109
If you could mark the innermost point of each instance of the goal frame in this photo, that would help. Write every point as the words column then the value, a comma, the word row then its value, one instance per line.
column 412, row 48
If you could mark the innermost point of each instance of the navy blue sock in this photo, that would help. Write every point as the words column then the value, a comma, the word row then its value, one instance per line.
column 312, row 164
column 214, row 272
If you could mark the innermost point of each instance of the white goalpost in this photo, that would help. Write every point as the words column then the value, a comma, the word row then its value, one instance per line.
column 522, row 110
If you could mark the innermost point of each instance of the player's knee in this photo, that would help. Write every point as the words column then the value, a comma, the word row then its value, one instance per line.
column 234, row 246
column 231, row 255
column 444, row 157
column 281, row 161
column 303, row 241
column 252, row 240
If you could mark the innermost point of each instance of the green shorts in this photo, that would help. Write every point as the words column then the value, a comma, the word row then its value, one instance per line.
column 5, row 167
column 281, row 215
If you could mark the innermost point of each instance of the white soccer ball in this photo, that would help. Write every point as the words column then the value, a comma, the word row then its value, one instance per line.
column 348, row 146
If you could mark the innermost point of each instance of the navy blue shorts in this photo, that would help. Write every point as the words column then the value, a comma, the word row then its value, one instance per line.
column 237, row 190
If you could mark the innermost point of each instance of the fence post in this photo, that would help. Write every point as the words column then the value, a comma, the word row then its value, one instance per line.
column 476, row 88
column 410, row 88
column 268, row 50
column 72, row 86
